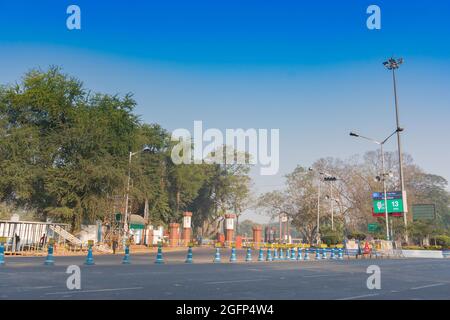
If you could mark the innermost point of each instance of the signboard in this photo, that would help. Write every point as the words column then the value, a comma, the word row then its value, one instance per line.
column 351, row 245
column 187, row 222
column 394, row 202
column 230, row 224
column 373, row 227
column 3, row 239
column 284, row 219
column 424, row 212
column 90, row 243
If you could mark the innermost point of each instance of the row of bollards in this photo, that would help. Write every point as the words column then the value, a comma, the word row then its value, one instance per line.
column 277, row 254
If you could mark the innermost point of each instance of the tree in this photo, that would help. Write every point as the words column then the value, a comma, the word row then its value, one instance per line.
column 298, row 201
column 64, row 154
column 63, row 149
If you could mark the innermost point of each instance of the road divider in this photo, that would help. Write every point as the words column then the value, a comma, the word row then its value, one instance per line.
column 49, row 260
column 189, row 257
column 2, row 254
column 126, row 257
column 217, row 256
column 248, row 256
column 90, row 257
column 233, row 254
column 159, row 255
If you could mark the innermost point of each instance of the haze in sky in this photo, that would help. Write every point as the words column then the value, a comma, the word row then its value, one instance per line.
column 312, row 70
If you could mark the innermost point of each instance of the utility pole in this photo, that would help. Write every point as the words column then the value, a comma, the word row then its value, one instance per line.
column 393, row 64
column 383, row 173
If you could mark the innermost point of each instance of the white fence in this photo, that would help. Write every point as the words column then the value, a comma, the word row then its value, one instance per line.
column 27, row 235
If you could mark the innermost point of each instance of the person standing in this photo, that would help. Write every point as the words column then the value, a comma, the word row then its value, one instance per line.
column 17, row 238
column 115, row 243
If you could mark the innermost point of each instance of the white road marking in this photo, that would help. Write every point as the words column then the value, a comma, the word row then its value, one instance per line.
column 234, row 281
column 37, row 288
column 428, row 286
column 359, row 297
column 99, row 290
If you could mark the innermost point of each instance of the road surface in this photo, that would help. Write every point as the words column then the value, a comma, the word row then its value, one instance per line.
column 28, row 278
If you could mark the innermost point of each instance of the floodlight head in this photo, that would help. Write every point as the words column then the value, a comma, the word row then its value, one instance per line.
column 393, row 63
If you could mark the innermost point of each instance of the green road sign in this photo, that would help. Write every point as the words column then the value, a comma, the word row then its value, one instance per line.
column 393, row 206
column 424, row 212
column 373, row 227
column 394, row 202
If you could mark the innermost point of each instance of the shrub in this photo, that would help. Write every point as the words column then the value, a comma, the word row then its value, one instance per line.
column 443, row 241
column 331, row 239
column 356, row 235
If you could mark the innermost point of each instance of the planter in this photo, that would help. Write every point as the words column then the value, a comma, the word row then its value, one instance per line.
column 446, row 253
column 433, row 254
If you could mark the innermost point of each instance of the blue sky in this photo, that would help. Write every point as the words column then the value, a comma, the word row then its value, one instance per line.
column 311, row 69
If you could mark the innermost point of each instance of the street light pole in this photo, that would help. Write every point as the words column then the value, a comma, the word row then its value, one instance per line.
column 318, row 211
column 125, row 223
column 331, row 179
column 383, row 173
column 393, row 64
column 127, row 196
column 384, row 191
column 332, row 208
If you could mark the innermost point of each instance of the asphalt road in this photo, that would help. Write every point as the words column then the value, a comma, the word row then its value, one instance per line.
column 28, row 278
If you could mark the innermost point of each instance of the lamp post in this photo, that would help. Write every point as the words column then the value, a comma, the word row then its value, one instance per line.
column 145, row 149
column 383, row 174
column 331, row 179
column 394, row 64
column 326, row 177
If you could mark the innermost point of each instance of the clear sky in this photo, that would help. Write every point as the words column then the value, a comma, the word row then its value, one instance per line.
column 309, row 68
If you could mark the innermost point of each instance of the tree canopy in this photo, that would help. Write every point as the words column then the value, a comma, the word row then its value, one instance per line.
column 64, row 153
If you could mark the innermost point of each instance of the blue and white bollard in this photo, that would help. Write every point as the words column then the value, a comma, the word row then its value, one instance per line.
column 317, row 254
column 281, row 254
column 248, row 256
column 49, row 261
column 189, row 256
column 332, row 255
column 233, row 255
column 307, row 254
column 2, row 255
column 126, row 257
column 288, row 254
column 293, row 254
column 340, row 254
column 159, row 255
column 324, row 253
column 269, row 255
column 276, row 257
column 217, row 256
column 299, row 254
column 261, row 255
column 90, row 257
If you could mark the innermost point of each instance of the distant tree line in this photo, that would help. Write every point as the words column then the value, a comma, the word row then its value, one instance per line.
column 351, row 195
